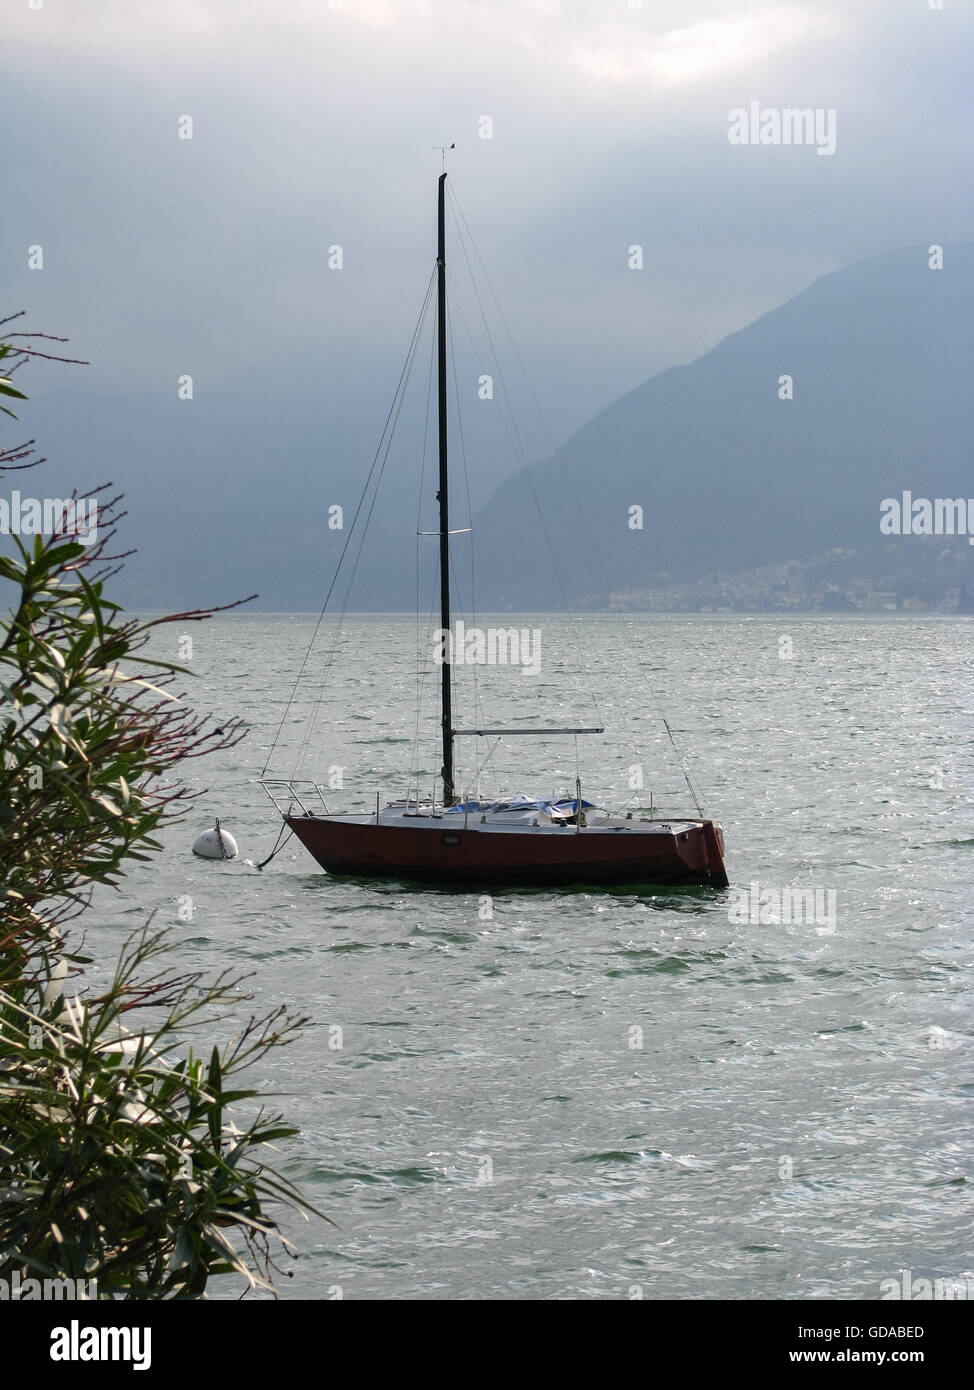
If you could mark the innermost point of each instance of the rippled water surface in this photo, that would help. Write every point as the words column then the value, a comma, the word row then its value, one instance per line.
column 593, row 1094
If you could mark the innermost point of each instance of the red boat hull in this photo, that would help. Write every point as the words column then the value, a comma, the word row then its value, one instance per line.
column 449, row 854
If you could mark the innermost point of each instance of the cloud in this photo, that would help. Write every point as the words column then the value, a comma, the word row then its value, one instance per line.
column 740, row 44
column 315, row 125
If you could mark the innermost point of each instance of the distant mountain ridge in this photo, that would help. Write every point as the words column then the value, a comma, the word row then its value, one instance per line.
column 229, row 493
column 730, row 476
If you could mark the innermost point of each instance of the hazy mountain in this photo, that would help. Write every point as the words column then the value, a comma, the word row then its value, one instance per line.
column 729, row 475
column 229, row 493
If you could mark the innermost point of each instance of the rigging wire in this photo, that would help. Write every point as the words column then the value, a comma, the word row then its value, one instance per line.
column 422, row 672
column 309, row 732
column 348, row 539
column 387, row 436
column 420, row 665
column 574, row 619
column 477, row 702
column 627, row 629
column 511, row 428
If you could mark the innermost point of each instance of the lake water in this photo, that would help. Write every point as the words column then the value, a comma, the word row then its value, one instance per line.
column 611, row 1095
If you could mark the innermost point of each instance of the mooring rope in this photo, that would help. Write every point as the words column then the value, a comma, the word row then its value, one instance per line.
column 278, row 846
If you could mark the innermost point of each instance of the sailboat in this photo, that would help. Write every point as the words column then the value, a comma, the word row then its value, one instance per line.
column 539, row 841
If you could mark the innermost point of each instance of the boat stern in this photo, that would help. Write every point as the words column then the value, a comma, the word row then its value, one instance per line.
column 713, row 843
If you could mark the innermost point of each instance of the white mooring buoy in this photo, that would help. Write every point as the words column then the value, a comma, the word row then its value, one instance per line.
column 215, row 844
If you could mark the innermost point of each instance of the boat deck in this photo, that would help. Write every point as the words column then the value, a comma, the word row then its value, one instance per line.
column 594, row 823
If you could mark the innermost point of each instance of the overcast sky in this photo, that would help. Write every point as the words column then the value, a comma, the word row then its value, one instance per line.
column 314, row 125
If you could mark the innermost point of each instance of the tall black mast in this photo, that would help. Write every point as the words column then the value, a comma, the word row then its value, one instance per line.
column 443, row 495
